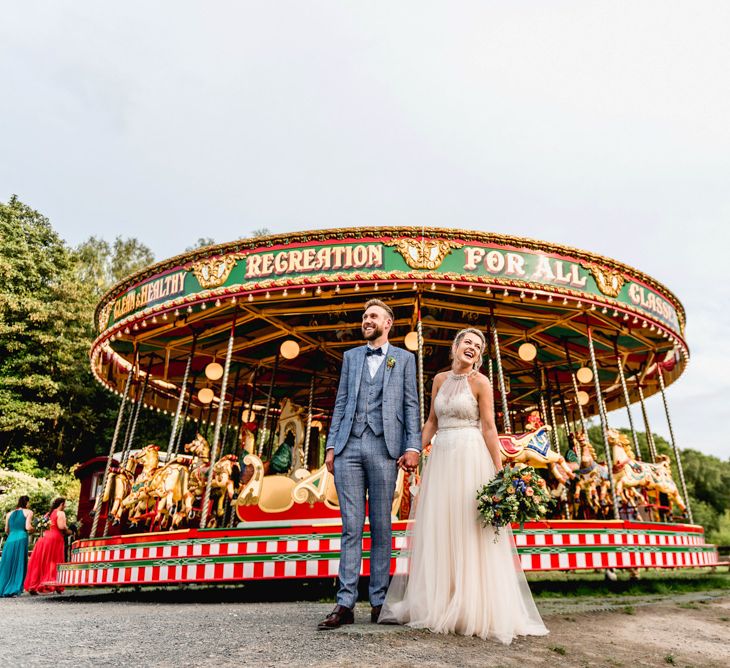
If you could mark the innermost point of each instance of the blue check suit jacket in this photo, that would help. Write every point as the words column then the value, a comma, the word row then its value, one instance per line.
column 401, row 414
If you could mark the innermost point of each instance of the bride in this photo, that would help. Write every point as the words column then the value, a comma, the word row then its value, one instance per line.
column 461, row 580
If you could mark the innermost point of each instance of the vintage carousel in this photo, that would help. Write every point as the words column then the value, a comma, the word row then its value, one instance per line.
column 241, row 345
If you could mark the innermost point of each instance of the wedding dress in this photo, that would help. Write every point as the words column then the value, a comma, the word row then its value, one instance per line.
column 460, row 580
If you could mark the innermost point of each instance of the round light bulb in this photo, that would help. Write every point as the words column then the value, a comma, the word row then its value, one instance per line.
column 527, row 351
column 584, row 375
column 411, row 341
column 213, row 371
column 289, row 349
column 205, row 396
column 583, row 397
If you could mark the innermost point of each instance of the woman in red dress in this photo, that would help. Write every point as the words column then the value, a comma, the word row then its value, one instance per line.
column 49, row 551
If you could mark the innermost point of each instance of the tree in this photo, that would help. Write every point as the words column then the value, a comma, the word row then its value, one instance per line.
column 101, row 264
column 51, row 408
column 202, row 242
column 37, row 344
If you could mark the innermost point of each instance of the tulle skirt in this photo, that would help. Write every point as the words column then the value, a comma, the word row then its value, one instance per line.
column 460, row 580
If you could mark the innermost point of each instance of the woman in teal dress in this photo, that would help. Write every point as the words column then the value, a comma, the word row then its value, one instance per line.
column 14, row 561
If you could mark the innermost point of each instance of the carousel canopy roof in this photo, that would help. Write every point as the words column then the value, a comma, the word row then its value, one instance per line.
column 311, row 288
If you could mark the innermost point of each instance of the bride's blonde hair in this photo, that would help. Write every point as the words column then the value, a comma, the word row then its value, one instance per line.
column 460, row 335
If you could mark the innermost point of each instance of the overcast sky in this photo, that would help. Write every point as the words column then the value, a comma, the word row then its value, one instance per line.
column 603, row 125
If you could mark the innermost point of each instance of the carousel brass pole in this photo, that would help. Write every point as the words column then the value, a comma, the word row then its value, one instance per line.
column 604, row 423
column 553, row 421
column 490, row 366
column 137, row 410
column 265, row 422
column 575, row 390
column 230, row 409
column 500, row 376
column 627, row 400
column 117, row 429
column 563, row 408
column 645, row 415
column 674, row 443
column 251, row 396
column 421, row 389
column 186, row 412
column 180, row 400
column 307, row 433
column 217, row 431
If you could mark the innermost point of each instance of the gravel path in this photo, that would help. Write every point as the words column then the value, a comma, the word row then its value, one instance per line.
column 217, row 628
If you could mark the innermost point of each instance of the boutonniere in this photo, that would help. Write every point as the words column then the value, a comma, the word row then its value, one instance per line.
column 390, row 362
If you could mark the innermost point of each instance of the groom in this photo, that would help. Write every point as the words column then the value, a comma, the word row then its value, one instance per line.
column 374, row 429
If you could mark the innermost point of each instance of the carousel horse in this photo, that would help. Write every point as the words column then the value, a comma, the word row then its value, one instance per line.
column 224, row 480
column 592, row 484
column 533, row 448
column 118, row 486
column 628, row 473
column 166, row 488
column 137, row 502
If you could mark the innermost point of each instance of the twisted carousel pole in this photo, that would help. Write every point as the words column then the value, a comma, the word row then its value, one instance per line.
column 137, row 410
column 604, row 422
column 553, row 420
column 307, row 433
column 581, row 415
column 251, row 396
column 627, row 400
column 647, row 427
column 186, row 412
column 217, row 431
column 674, row 443
column 265, row 421
column 180, row 401
column 230, row 409
column 117, row 429
column 421, row 388
column 563, row 407
column 500, row 376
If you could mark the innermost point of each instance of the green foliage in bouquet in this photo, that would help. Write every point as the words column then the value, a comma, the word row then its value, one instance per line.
column 516, row 494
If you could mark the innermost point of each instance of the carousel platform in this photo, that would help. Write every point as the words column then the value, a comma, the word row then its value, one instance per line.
column 268, row 550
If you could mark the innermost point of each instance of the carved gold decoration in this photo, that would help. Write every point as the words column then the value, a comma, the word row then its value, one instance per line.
column 424, row 253
column 609, row 281
column 271, row 493
column 104, row 314
column 315, row 488
column 212, row 272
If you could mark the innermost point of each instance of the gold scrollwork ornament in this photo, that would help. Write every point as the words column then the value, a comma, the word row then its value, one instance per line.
column 213, row 272
column 609, row 281
column 424, row 253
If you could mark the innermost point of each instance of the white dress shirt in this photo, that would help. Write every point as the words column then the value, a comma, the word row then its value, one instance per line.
column 374, row 361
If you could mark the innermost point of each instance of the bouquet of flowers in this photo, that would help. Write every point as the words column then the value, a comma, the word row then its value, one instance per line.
column 516, row 494
column 41, row 523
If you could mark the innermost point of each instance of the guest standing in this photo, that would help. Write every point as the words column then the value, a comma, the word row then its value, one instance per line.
column 49, row 551
column 14, row 560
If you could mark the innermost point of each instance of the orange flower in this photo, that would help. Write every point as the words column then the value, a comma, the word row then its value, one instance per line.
column 527, row 477
column 529, row 491
column 541, row 482
column 510, row 490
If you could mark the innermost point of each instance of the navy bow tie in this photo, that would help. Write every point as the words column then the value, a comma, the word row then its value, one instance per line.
column 374, row 351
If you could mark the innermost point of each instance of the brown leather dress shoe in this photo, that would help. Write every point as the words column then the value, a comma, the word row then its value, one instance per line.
column 375, row 613
column 339, row 616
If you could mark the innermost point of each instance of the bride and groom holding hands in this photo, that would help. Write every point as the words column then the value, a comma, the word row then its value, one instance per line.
column 462, row 578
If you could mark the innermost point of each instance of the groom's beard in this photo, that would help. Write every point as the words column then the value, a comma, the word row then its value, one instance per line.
column 372, row 334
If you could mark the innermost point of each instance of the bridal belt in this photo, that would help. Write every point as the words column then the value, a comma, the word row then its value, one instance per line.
column 461, row 426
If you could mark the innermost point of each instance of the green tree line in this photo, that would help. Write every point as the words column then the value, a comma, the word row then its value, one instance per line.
column 53, row 412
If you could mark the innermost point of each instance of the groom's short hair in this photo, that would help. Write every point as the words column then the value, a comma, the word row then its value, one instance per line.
column 381, row 304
